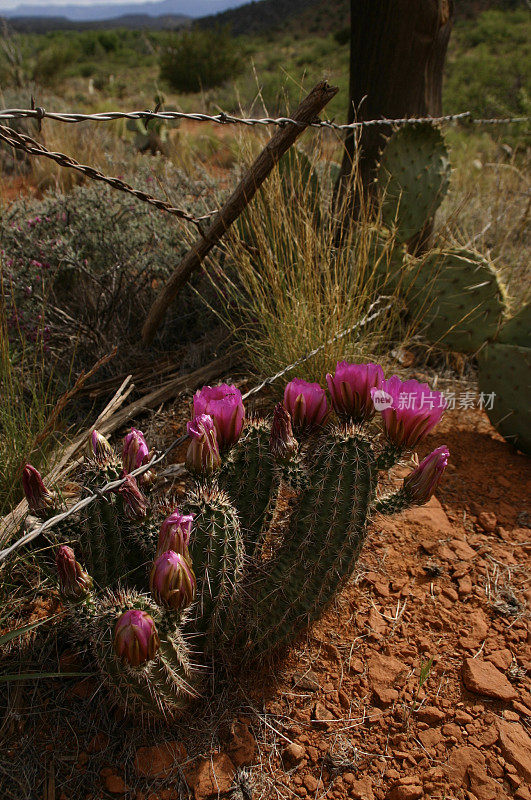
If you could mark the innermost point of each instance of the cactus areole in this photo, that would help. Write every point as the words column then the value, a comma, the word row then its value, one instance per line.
column 164, row 599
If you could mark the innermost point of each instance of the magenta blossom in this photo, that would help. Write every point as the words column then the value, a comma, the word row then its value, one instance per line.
column 135, row 637
column 410, row 410
column 41, row 501
column 350, row 389
column 74, row 582
column 420, row 484
column 225, row 405
column 306, row 402
column 203, row 451
column 172, row 581
column 175, row 533
column 135, row 451
column 134, row 502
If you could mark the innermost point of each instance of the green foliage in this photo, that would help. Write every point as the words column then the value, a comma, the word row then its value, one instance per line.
column 200, row 60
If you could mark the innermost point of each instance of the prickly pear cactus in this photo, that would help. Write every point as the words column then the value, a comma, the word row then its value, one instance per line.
column 270, row 530
column 458, row 297
column 414, row 176
column 505, row 369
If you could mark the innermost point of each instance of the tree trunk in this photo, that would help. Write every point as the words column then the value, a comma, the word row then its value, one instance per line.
column 397, row 52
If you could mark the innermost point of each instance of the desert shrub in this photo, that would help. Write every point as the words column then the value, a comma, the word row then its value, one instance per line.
column 200, row 60
column 86, row 267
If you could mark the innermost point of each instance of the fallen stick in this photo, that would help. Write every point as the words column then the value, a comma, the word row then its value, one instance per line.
column 279, row 144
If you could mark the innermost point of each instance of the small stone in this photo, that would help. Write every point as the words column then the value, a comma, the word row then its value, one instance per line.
column 462, row 550
column 431, row 715
column 460, row 761
column 502, row 659
column 293, row 754
column 242, row 746
column 152, row 762
column 515, row 745
column 311, row 783
column 211, row 777
column 359, row 789
column 464, row 585
column 320, row 716
column 483, row 678
column 385, row 670
column 487, row 520
column 386, row 696
column 308, row 681
column 430, row 737
column 405, row 788
column 115, row 784
column 98, row 743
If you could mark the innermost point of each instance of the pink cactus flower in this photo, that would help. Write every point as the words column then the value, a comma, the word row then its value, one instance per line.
column 203, row 451
column 135, row 637
column 41, row 501
column 420, row 484
column 306, row 403
column 172, row 581
column 282, row 443
column 175, row 533
column 134, row 502
column 225, row 405
column 350, row 389
column 410, row 410
column 135, row 451
column 74, row 582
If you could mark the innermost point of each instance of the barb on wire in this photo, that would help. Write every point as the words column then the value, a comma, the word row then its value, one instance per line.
column 227, row 119
column 111, row 486
column 23, row 142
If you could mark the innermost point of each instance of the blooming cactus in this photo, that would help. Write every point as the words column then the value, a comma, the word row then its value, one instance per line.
column 203, row 451
column 134, row 502
column 225, row 405
column 135, row 637
column 175, row 533
column 172, row 581
column 350, row 389
column 41, row 501
column 306, row 403
column 420, row 484
column 410, row 410
column 100, row 448
column 74, row 582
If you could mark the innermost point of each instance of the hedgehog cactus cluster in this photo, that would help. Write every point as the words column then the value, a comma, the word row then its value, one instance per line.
column 269, row 531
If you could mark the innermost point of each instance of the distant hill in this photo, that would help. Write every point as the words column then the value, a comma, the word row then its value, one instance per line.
column 130, row 21
column 105, row 11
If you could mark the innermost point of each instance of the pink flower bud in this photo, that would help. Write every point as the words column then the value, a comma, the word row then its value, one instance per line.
column 134, row 502
column 306, row 402
column 350, row 389
column 135, row 451
column 203, row 451
column 175, row 533
column 101, row 449
column 225, row 405
column 74, row 582
column 410, row 410
column 282, row 443
column 41, row 501
column 172, row 581
column 420, row 484
column 135, row 637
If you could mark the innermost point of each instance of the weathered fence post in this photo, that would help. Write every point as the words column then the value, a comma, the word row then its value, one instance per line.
column 305, row 114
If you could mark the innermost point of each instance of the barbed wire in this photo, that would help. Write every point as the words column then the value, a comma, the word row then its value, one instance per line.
column 22, row 141
column 156, row 459
column 227, row 119
column 222, row 118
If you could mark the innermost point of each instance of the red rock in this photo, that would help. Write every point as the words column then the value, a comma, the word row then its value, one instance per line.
column 384, row 670
column 483, row 678
column 115, row 784
column 211, row 777
column 405, row 788
column 502, row 659
column 360, row 789
column 430, row 737
column 320, row 717
column 431, row 715
column 462, row 550
column 376, row 622
column 488, row 521
column 242, row 746
column 461, row 760
column 293, row 754
column 464, row 585
column 515, row 745
column 151, row 762
column 311, row 783
column 385, row 695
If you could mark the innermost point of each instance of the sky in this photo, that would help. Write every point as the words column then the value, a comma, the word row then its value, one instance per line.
column 7, row 4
